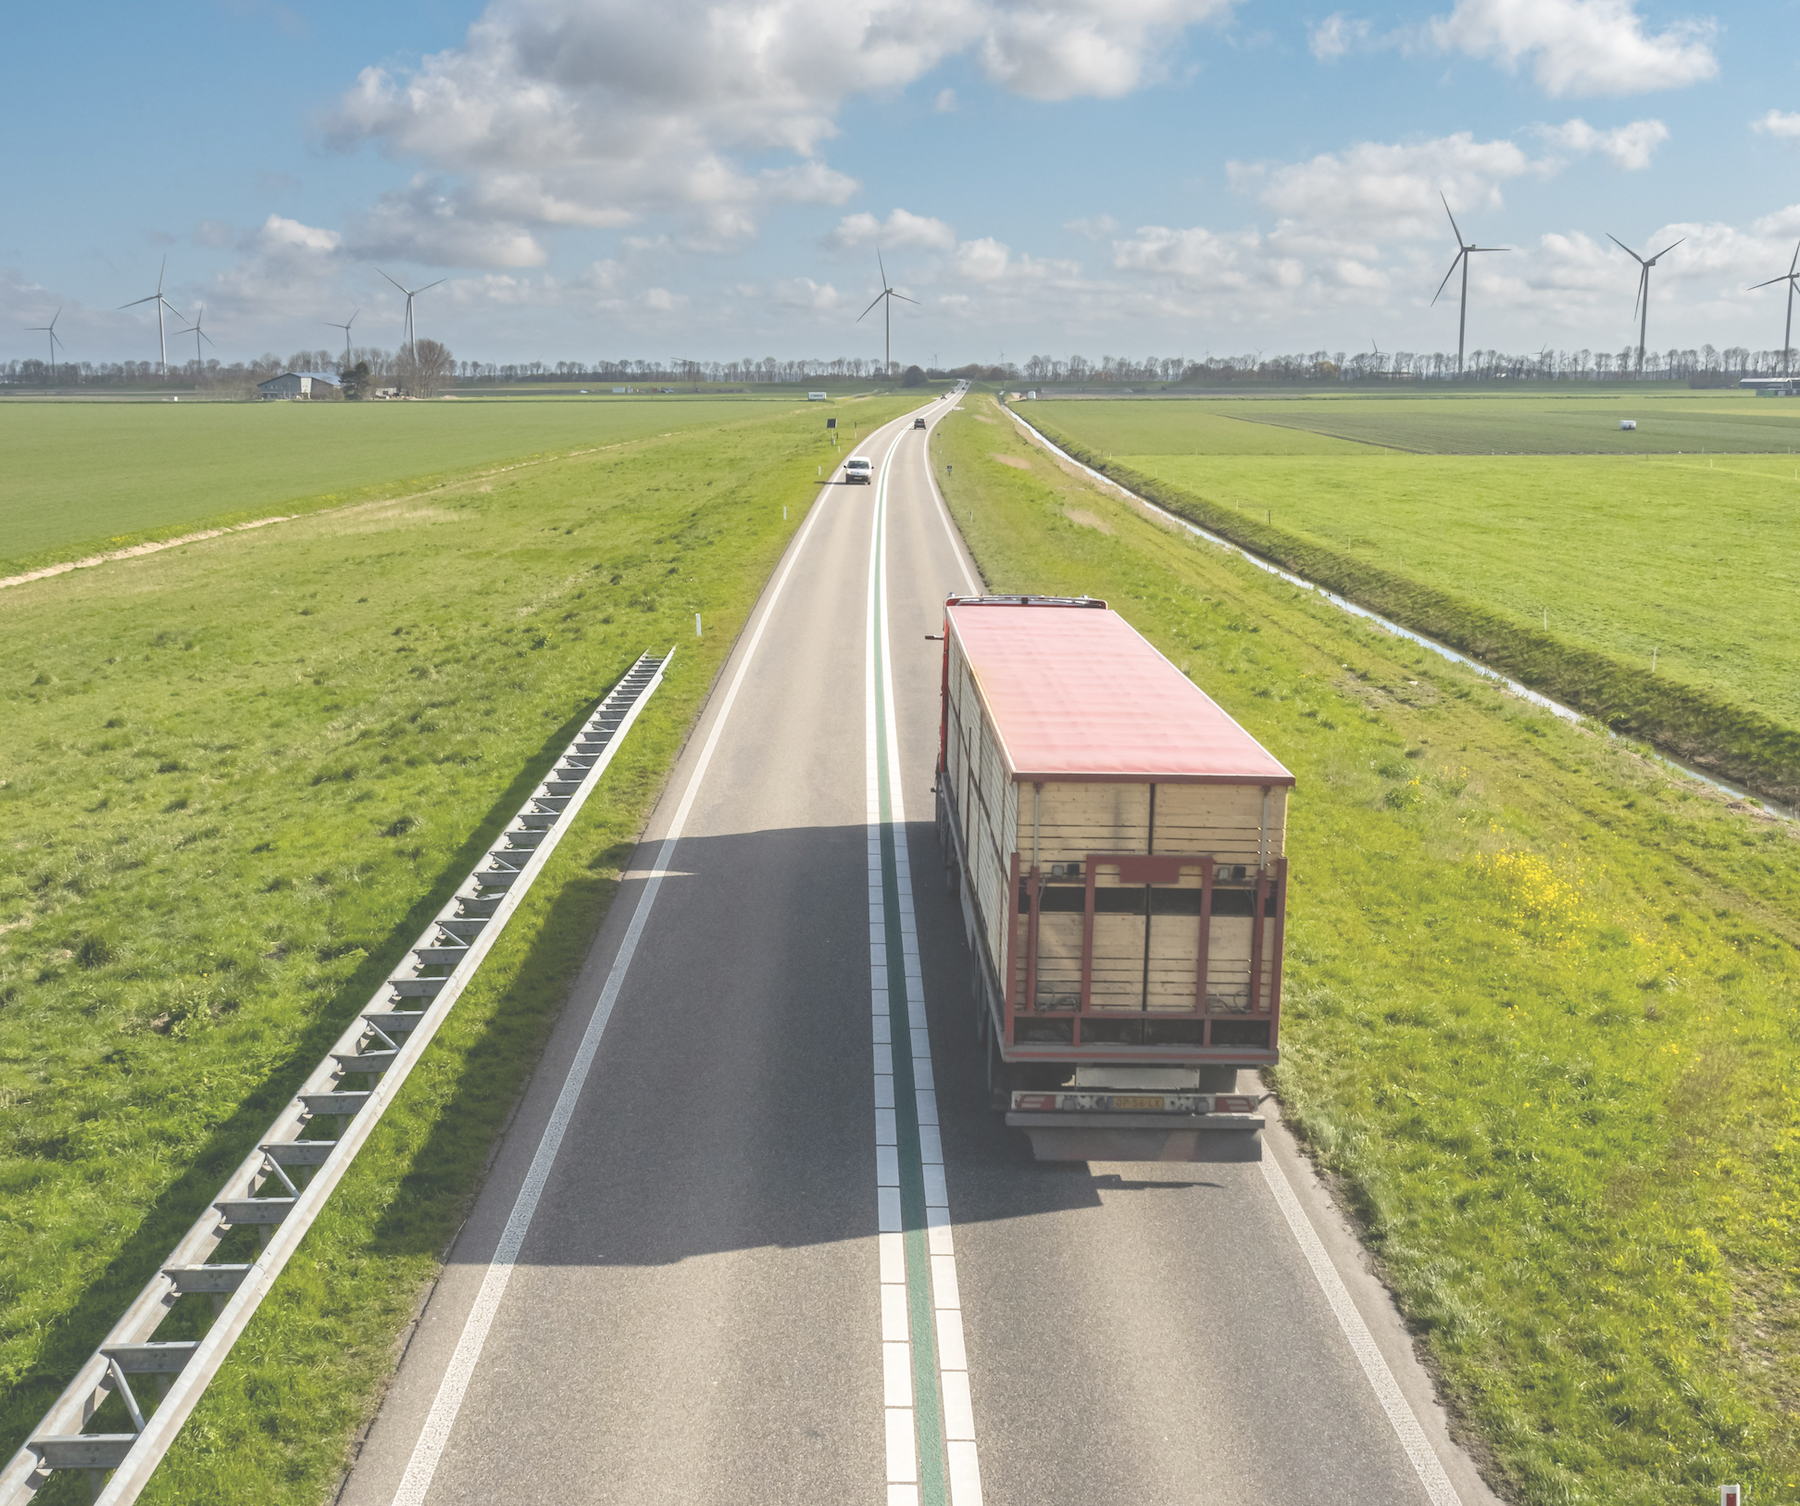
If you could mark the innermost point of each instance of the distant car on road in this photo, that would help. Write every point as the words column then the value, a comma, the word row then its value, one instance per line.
column 859, row 470
column 918, row 423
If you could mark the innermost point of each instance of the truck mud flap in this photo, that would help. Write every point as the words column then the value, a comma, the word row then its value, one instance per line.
column 1142, row 1137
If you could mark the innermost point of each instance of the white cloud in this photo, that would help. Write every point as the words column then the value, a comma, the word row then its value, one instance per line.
column 1629, row 147
column 1387, row 191
column 1782, row 125
column 945, row 103
column 901, row 231
column 600, row 112
column 1580, row 46
column 1098, row 228
column 1335, row 36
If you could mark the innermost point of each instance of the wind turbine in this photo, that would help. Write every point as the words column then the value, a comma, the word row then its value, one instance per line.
column 1787, row 337
column 199, row 335
column 1464, row 250
column 345, row 327
column 412, row 293
column 55, row 340
column 1643, row 292
column 887, row 313
column 162, row 338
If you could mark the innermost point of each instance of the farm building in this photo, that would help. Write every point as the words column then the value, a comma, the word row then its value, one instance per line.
column 295, row 384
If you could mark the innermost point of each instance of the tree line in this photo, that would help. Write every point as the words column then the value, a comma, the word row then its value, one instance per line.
column 426, row 370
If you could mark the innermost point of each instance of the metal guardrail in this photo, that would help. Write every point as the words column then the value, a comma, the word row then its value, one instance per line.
column 280, row 1188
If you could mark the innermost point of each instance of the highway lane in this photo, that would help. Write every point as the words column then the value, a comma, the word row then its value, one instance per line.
column 696, row 1309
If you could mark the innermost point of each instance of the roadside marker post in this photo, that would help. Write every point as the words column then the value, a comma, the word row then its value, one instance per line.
column 696, row 624
column 1730, row 1495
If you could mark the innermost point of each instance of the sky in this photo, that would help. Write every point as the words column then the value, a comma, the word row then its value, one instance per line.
column 598, row 179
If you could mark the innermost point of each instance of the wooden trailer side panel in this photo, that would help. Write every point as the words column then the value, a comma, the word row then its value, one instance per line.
column 986, row 800
column 1075, row 819
column 1234, row 822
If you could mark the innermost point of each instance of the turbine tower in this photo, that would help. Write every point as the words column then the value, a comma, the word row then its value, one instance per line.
column 162, row 336
column 1643, row 292
column 412, row 293
column 345, row 327
column 1787, row 336
column 199, row 335
column 889, row 295
column 55, row 340
column 1464, row 250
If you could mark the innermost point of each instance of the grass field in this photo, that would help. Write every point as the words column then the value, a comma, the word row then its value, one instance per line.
column 236, row 778
column 86, row 477
column 1538, row 1019
column 1689, row 562
column 1667, row 423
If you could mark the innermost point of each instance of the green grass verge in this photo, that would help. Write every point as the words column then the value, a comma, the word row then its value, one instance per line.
column 1487, row 423
column 90, row 477
column 236, row 778
column 1538, row 1017
column 1466, row 550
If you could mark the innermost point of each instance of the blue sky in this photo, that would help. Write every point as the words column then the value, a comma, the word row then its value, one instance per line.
column 602, row 178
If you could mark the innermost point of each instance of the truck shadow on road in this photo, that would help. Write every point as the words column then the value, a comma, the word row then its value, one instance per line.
column 731, row 1104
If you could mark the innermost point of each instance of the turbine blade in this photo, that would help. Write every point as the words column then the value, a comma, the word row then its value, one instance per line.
column 1454, row 262
column 878, row 297
column 1625, row 248
column 903, row 298
column 1770, row 283
column 1794, row 265
column 430, row 285
column 1667, row 249
column 153, row 298
column 384, row 274
column 1453, row 225
column 883, row 265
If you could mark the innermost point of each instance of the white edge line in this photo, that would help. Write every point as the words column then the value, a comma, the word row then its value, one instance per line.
column 1425, row 1462
column 448, row 1402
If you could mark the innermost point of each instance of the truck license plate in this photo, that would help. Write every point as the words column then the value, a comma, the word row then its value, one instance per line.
column 1136, row 1103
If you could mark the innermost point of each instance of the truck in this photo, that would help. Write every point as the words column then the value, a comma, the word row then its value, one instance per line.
column 1117, row 845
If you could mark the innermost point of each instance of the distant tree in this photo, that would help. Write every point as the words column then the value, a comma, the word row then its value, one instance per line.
column 912, row 377
column 356, row 382
column 428, row 367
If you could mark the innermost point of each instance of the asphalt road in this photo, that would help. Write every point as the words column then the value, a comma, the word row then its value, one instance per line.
column 689, row 1305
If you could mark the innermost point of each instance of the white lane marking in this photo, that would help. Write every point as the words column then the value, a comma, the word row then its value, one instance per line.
column 455, row 1384
column 953, row 1378
column 957, row 547
column 1393, row 1401
column 896, row 1323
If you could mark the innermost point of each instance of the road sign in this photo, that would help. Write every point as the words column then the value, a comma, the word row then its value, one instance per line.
column 831, row 423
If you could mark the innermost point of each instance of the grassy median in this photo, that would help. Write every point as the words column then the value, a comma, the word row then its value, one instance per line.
column 236, row 778
column 1539, row 1012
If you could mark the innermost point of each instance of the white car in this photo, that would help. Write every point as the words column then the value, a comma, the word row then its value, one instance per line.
column 859, row 470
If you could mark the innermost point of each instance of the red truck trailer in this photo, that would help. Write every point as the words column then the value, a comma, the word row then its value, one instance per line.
column 1117, row 843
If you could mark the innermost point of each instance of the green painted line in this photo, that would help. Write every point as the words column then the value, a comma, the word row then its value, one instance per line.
column 928, row 1407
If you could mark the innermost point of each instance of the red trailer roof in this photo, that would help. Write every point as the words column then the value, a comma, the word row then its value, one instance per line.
column 1076, row 692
